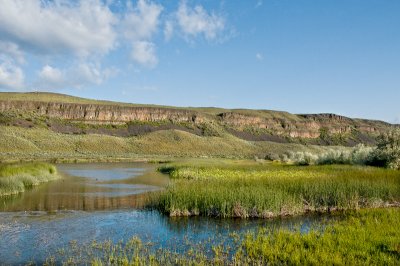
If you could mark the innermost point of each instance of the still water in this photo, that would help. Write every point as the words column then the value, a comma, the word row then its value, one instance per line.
column 102, row 202
column 91, row 187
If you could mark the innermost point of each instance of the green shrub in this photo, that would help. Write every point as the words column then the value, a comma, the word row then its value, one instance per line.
column 359, row 155
column 387, row 152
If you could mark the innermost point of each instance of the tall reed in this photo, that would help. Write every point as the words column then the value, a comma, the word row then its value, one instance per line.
column 16, row 178
column 275, row 190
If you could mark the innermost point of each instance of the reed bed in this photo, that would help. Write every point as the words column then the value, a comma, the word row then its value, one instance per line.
column 270, row 190
column 16, row 178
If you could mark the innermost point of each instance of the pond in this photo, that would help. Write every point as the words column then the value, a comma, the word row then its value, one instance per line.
column 103, row 202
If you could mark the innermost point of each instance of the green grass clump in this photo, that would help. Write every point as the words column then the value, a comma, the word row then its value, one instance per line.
column 369, row 237
column 16, row 178
column 270, row 190
column 366, row 237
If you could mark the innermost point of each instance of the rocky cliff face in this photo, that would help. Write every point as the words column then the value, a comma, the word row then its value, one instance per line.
column 253, row 126
column 305, row 126
column 101, row 113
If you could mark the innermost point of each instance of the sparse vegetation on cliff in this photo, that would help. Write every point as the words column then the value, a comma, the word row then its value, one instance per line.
column 269, row 190
column 70, row 115
column 16, row 178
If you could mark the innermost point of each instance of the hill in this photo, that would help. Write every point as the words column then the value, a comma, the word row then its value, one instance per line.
column 39, row 122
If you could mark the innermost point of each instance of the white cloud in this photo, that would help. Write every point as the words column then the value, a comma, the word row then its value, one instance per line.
column 51, row 75
column 140, row 24
column 76, row 76
column 144, row 53
column 259, row 57
column 196, row 21
column 82, row 31
column 11, row 76
column 88, row 73
column 168, row 30
column 11, row 50
column 142, row 21
column 56, row 27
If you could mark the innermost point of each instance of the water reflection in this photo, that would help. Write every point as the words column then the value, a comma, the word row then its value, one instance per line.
column 90, row 187
column 39, row 234
column 39, row 222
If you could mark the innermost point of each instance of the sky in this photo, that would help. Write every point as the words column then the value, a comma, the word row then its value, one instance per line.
column 300, row 56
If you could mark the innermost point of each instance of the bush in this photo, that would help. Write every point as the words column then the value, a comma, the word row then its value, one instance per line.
column 359, row 155
column 387, row 152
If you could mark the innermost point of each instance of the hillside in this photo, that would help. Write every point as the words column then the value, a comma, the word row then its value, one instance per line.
column 163, row 130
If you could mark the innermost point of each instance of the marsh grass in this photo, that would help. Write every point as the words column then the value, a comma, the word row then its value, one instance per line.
column 16, row 178
column 365, row 237
column 368, row 237
column 270, row 190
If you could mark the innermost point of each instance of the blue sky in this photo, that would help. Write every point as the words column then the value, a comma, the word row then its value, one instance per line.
column 301, row 56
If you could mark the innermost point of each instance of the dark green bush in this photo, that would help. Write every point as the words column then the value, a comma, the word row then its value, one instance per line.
column 387, row 152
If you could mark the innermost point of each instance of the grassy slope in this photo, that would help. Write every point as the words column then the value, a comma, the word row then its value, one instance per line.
column 41, row 143
column 16, row 178
column 16, row 142
column 268, row 190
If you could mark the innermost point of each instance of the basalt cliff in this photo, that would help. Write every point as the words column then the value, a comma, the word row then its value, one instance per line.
column 70, row 115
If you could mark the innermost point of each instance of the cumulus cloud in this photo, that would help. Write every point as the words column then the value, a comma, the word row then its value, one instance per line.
column 197, row 21
column 11, row 76
column 80, row 27
column 80, row 32
column 12, row 51
column 51, row 75
column 76, row 76
column 140, row 24
column 142, row 21
column 144, row 53
column 168, row 30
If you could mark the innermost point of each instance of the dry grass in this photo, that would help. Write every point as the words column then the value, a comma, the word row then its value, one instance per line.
column 40, row 143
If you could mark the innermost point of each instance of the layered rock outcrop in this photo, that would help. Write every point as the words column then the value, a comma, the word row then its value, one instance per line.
column 102, row 113
column 263, row 125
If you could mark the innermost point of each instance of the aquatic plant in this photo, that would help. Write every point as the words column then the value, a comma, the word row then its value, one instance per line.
column 270, row 190
column 366, row 237
column 16, row 178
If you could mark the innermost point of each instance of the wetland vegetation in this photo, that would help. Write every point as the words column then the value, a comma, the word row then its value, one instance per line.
column 250, row 189
column 16, row 178
column 364, row 237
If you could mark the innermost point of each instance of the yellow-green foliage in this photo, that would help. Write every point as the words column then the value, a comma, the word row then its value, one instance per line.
column 15, row 178
column 16, row 142
column 270, row 190
column 364, row 238
column 367, row 237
